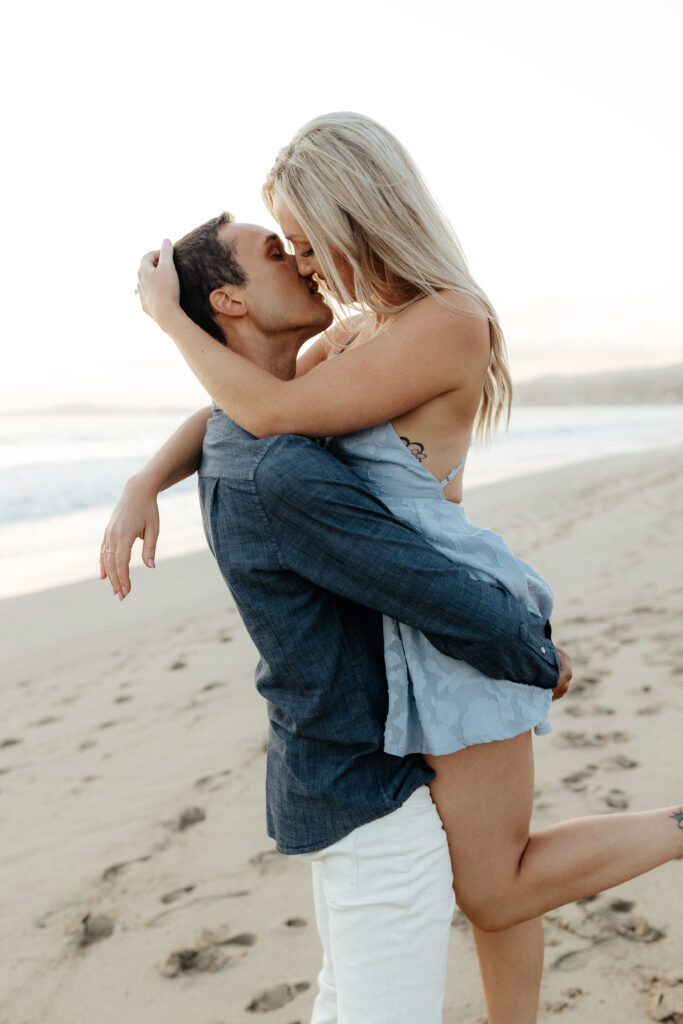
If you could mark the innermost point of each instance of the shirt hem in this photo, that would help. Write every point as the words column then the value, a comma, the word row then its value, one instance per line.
column 291, row 851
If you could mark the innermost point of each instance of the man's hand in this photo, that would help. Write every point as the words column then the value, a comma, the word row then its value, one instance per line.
column 136, row 515
column 565, row 674
column 158, row 284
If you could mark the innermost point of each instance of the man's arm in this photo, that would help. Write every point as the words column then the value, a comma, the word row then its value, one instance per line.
column 136, row 513
column 332, row 531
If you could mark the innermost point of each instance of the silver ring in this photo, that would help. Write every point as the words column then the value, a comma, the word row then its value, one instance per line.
column 136, row 292
column 108, row 551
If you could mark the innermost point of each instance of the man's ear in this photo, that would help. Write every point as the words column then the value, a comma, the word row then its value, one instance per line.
column 226, row 304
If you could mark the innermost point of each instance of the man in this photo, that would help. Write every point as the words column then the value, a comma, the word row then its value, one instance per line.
column 312, row 559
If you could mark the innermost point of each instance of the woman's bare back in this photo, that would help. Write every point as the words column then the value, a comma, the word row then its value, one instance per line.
column 439, row 431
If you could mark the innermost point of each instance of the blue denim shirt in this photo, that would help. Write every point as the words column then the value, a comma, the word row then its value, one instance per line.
column 312, row 560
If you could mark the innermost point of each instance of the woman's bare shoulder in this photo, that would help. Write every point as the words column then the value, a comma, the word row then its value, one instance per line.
column 445, row 320
column 448, row 303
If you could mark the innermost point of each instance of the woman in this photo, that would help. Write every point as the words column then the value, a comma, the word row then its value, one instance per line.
column 423, row 367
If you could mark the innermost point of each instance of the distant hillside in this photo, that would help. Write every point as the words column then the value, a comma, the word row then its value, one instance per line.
column 90, row 409
column 620, row 387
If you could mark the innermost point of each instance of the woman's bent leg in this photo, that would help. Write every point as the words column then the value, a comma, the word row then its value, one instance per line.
column 504, row 876
column 511, row 965
column 510, row 961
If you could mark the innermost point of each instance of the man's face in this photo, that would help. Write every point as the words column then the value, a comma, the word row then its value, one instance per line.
column 277, row 298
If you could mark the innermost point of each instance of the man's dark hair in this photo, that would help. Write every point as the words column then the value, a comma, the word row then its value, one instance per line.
column 204, row 262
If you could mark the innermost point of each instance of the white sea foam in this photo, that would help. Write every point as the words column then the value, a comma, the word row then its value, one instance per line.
column 60, row 476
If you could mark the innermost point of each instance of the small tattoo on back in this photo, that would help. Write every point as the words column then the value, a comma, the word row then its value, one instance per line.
column 678, row 818
column 415, row 448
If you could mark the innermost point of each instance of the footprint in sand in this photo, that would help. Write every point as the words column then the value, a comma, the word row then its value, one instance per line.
column 95, row 927
column 267, row 860
column 115, row 869
column 177, row 664
column 621, row 906
column 578, row 710
column 276, row 997
column 578, row 781
column 296, row 922
column 175, row 894
column 206, row 959
column 47, row 720
column 665, row 1000
column 190, row 816
column 618, row 762
column 10, row 742
column 616, row 799
column 630, row 926
column 187, row 817
column 208, row 955
column 208, row 780
column 182, row 907
column 221, row 936
column 569, row 997
column 599, row 921
column 604, row 920
column 571, row 738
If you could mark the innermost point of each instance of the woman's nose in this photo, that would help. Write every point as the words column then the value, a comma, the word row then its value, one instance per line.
column 305, row 266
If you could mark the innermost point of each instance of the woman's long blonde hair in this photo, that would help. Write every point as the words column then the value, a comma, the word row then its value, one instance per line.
column 356, row 191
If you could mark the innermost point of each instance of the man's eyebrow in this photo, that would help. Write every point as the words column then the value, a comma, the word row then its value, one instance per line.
column 271, row 238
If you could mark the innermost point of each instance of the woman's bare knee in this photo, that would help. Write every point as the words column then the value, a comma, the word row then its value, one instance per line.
column 488, row 914
column 490, row 899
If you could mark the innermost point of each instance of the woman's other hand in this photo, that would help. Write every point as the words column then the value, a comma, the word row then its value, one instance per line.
column 158, row 284
column 136, row 515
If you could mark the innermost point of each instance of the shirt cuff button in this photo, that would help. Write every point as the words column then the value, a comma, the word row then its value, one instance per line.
column 542, row 650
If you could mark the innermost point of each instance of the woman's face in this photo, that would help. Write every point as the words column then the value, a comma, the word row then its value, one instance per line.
column 306, row 261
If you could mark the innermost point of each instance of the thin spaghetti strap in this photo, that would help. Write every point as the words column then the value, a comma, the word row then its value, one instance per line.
column 454, row 472
column 342, row 350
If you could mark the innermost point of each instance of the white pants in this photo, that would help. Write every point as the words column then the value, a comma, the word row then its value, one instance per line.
column 384, row 903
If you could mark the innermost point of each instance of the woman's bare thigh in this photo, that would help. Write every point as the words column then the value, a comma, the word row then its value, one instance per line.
column 484, row 795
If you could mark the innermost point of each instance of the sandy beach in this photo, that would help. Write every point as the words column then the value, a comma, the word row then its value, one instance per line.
column 138, row 883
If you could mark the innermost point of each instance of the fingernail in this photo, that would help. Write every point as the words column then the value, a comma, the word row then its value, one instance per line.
column 113, row 590
column 150, row 563
column 120, row 597
column 125, row 591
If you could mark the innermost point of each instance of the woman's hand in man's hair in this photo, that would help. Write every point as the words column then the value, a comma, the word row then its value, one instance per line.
column 158, row 284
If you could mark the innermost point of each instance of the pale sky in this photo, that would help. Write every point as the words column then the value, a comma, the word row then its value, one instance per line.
column 549, row 132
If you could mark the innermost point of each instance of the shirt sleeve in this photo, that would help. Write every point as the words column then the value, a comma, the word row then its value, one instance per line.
column 329, row 529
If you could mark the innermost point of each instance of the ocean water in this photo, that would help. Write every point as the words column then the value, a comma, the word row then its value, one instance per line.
column 60, row 476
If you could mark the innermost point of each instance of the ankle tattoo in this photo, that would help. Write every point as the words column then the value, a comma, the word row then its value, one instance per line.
column 678, row 818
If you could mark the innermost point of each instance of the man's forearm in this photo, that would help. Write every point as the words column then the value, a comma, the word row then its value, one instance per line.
column 336, row 534
column 178, row 457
